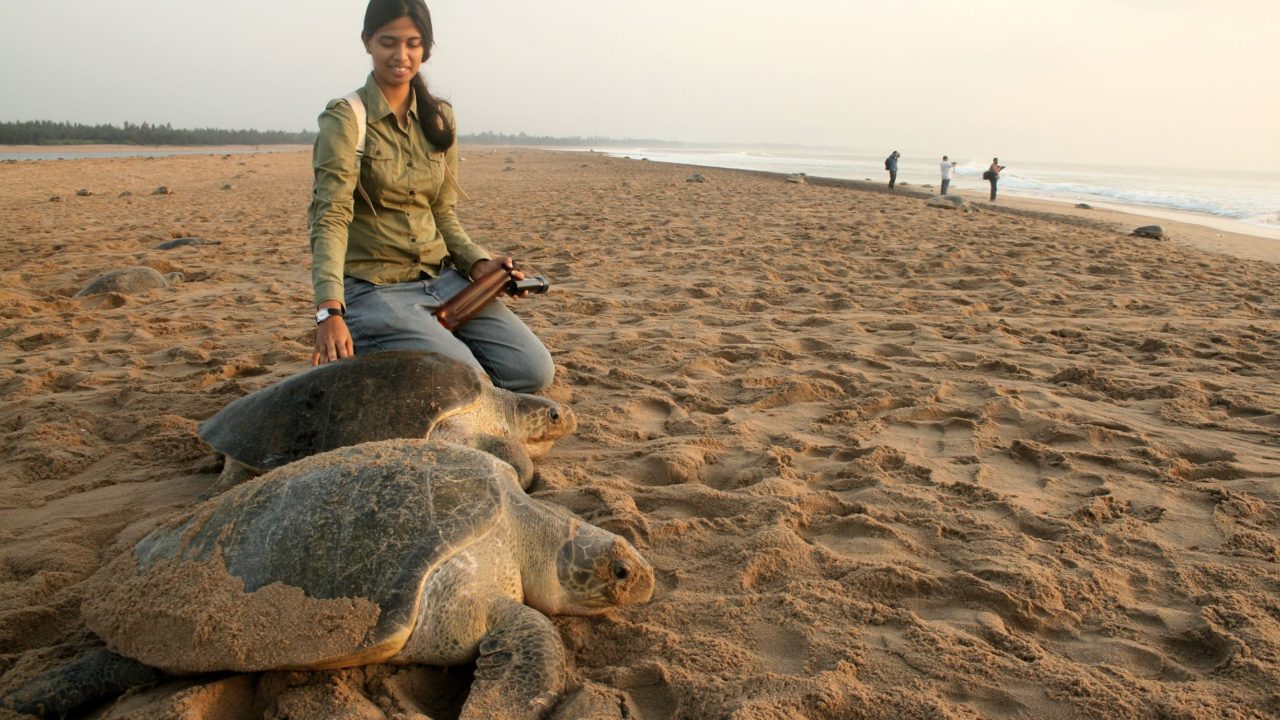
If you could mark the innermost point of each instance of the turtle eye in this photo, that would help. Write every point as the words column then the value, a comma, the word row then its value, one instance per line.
column 619, row 570
column 554, row 414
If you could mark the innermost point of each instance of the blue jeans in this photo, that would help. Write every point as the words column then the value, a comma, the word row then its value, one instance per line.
column 398, row 316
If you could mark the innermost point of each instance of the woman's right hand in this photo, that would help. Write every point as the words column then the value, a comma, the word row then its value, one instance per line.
column 333, row 341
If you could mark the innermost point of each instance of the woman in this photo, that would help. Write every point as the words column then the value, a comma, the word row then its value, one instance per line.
column 387, row 248
column 993, row 176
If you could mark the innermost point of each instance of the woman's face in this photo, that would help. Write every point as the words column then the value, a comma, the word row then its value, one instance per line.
column 397, row 51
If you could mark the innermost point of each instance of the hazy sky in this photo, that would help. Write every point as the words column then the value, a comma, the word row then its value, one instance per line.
column 1167, row 82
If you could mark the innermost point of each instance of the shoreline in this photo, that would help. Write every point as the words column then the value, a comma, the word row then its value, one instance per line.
column 1229, row 237
column 1183, row 229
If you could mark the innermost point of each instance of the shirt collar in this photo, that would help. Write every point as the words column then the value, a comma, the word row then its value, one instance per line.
column 376, row 103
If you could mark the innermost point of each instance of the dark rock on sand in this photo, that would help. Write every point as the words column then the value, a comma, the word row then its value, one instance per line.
column 126, row 282
column 1152, row 231
column 183, row 241
column 55, row 198
column 83, row 192
column 162, row 190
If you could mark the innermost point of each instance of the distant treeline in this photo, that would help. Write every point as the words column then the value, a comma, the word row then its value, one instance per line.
column 47, row 132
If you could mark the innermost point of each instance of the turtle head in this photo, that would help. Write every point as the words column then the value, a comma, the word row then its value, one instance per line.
column 598, row 570
column 540, row 421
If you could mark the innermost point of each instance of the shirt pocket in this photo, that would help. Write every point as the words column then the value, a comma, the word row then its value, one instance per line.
column 434, row 178
column 380, row 175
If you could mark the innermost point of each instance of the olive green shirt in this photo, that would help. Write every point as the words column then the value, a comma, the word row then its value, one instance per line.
column 407, row 226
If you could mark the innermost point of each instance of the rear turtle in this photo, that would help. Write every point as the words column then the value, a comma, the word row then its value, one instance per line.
column 400, row 552
column 382, row 396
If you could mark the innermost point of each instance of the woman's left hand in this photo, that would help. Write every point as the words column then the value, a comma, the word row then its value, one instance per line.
column 488, row 265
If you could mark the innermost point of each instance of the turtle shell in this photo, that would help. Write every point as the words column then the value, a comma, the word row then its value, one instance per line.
column 318, row 564
column 382, row 396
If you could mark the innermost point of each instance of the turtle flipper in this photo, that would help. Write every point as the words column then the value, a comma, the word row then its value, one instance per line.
column 521, row 670
column 96, row 676
column 511, row 451
column 234, row 472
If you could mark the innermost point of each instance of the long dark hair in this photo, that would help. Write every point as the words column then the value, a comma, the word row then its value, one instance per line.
column 435, row 126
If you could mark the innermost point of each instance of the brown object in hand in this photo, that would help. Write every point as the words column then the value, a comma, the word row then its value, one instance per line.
column 463, row 306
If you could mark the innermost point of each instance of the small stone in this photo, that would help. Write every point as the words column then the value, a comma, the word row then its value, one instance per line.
column 162, row 190
column 696, row 177
column 55, row 198
column 126, row 193
column 507, row 169
column 83, row 193
column 228, row 186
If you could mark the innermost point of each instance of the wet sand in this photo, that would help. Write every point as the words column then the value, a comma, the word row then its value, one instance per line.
column 888, row 460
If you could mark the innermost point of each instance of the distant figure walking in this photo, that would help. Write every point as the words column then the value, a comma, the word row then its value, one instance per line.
column 948, row 169
column 992, row 175
column 891, row 164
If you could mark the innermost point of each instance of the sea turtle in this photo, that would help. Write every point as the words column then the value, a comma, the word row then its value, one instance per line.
column 381, row 396
column 398, row 551
column 1151, row 231
column 129, row 281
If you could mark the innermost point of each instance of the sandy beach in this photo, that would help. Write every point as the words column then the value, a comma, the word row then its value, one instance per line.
column 888, row 460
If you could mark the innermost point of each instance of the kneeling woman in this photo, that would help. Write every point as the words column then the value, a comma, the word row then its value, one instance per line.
column 387, row 248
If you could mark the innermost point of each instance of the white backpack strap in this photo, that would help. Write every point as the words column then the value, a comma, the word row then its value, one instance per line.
column 362, row 120
column 452, row 180
column 362, row 130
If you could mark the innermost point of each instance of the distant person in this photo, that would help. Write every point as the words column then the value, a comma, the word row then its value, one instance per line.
column 386, row 246
column 891, row 164
column 948, row 170
column 992, row 175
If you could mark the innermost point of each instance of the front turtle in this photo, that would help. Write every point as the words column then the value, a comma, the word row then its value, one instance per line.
column 403, row 552
column 382, row 396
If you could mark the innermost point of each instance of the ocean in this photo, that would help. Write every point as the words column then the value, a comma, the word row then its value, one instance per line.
column 1243, row 201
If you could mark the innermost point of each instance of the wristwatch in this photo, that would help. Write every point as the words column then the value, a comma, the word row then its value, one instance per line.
column 325, row 313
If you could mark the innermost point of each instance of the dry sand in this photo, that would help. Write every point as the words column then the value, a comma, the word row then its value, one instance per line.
column 889, row 461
